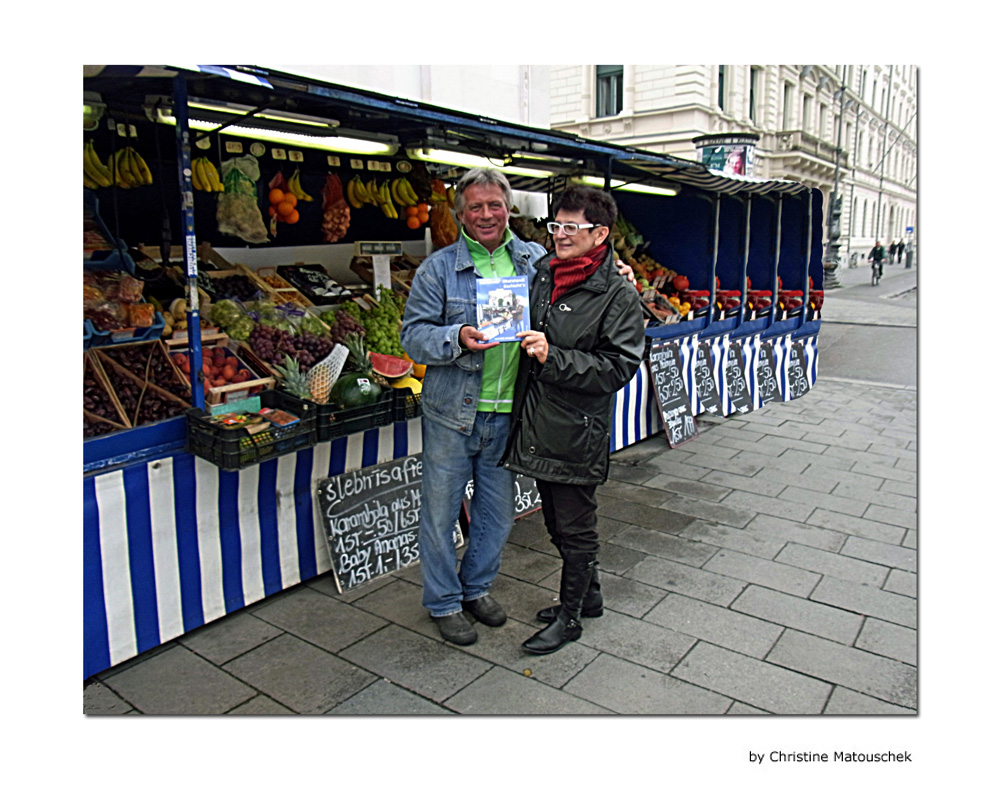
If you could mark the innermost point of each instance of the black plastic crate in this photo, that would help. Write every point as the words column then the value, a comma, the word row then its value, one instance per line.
column 406, row 404
column 236, row 449
column 332, row 422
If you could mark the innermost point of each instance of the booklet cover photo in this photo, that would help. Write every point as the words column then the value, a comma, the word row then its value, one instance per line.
column 502, row 307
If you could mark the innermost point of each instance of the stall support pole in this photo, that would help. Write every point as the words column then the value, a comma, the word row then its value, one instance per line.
column 190, row 241
column 773, row 315
column 808, row 252
column 715, row 259
column 746, row 260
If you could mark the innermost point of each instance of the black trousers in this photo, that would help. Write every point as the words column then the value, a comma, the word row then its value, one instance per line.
column 570, row 514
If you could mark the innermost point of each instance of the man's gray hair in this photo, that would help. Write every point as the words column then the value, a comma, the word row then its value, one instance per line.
column 483, row 176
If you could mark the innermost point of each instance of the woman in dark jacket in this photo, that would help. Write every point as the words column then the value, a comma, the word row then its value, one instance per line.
column 588, row 344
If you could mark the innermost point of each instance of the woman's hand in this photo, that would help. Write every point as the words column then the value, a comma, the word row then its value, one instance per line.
column 626, row 270
column 534, row 344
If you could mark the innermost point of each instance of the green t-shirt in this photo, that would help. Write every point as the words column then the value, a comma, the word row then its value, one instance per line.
column 499, row 363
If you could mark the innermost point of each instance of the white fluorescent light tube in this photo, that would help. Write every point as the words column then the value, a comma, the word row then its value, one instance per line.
column 471, row 161
column 349, row 145
column 618, row 185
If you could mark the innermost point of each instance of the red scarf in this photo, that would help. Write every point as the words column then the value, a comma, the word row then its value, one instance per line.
column 570, row 272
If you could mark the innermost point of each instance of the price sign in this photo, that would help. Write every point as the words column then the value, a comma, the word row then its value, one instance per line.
column 526, row 496
column 736, row 379
column 798, row 382
column 767, row 375
column 371, row 519
column 234, row 147
column 666, row 371
column 704, row 377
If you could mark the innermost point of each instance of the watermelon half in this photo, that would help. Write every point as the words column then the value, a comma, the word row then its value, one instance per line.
column 390, row 366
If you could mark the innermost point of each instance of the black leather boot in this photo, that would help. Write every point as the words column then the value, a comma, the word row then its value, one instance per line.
column 593, row 602
column 565, row 628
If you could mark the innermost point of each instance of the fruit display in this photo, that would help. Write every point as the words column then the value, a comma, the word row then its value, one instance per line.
column 341, row 324
column 295, row 186
column 237, row 212
column 229, row 285
column 393, row 368
column 282, row 203
column 336, row 213
column 128, row 169
column 101, row 411
column 112, row 301
column 271, row 344
column 385, row 196
column 233, row 319
column 220, row 366
column 358, row 386
column 205, row 176
column 648, row 272
column 95, row 173
column 143, row 401
column 381, row 322
column 625, row 238
column 444, row 229
column 148, row 361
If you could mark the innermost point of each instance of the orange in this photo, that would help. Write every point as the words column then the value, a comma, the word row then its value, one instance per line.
column 291, row 199
column 292, row 217
column 413, row 222
column 411, row 211
column 422, row 217
column 422, row 207
column 271, row 212
column 276, row 196
column 286, row 209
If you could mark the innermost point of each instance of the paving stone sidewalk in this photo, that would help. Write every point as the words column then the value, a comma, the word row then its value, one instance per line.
column 767, row 567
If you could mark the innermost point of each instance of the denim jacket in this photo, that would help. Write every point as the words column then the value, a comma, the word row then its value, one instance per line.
column 443, row 299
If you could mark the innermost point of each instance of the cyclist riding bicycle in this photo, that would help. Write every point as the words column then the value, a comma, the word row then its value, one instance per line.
column 876, row 256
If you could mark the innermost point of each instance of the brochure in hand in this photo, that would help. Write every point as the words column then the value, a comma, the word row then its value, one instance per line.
column 502, row 307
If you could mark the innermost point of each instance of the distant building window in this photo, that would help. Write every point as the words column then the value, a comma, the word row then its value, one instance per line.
column 609, row 89
column 807, row 111
column 754, row 90
column 787, row 111
column 722, row 87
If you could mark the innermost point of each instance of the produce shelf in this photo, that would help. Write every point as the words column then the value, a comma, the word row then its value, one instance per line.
column 332, row 422
column 236, row 449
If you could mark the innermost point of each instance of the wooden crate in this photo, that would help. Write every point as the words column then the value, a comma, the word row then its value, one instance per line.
column 228, row 392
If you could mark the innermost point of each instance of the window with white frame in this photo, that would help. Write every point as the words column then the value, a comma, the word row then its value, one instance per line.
column 610, row 89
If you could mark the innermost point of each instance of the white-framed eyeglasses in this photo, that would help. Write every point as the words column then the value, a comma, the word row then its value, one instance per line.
column 570, row 227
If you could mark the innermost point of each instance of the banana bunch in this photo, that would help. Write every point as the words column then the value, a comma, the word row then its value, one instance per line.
column 402, row 193
column 129, row 169
column 357, row 194
column 360, row 193
column 95, row 173
column 295, row 186
column 205, row 176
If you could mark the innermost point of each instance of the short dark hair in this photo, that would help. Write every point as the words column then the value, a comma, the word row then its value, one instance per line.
column 598, row 206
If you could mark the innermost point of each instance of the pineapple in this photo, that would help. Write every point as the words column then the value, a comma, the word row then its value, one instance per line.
column 357, row 355
column 293, row 380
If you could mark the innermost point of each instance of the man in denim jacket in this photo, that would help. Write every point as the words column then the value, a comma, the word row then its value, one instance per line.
column 467, row 396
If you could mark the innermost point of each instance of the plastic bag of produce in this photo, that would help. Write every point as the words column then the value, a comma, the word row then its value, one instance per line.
column 237, row 211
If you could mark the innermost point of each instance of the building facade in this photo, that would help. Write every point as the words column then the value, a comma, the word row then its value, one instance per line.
column 795, row 115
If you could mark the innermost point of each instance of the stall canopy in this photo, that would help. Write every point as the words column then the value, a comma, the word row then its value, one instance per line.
column 233, row 95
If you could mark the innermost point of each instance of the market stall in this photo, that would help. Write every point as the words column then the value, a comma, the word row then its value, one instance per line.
column 244, row 263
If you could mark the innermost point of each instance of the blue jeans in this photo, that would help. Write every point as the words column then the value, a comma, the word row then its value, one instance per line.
column 450, row 459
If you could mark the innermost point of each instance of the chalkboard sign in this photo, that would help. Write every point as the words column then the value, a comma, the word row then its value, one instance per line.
column 704, row 377
column 767, row 376
column 736, row 379
column 370, row 519
column 798, row 383
column 665, row 369
column 526, row 496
